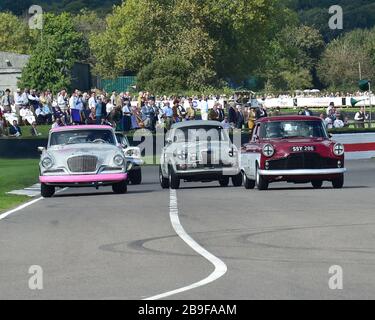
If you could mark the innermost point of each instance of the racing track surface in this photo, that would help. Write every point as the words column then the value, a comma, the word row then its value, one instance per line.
column 278, row 244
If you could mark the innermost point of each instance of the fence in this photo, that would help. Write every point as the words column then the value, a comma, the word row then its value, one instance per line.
column 121, row 84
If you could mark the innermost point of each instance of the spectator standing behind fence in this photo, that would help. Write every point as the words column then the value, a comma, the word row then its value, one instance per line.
column 262, row 112
column 360, row 117
column 7, row 101
column 18, row 101
column 204, row 108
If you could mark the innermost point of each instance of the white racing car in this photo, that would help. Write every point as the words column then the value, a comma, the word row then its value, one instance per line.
column 199, row 151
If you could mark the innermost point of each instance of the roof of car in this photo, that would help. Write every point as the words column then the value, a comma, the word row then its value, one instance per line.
column 81, row 127
column 289, row 118
column 195, row 123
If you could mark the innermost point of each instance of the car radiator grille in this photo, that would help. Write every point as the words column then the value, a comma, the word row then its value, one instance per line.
column 300, row 161
column 83, row 164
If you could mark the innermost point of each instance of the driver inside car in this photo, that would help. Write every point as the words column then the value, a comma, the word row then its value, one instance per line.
column 273, row 130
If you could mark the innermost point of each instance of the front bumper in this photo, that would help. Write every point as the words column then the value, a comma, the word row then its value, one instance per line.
column 84, row 179
column 304, row 172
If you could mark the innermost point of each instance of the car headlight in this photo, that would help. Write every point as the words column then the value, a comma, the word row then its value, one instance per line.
column 132, row 153
column 338, row 149
column 268, row 150
column 182, row 155
column 47, row 163
column 118, row 160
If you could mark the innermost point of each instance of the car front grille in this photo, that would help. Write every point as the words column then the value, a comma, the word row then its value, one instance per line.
column 304, row 160
column 83, row 164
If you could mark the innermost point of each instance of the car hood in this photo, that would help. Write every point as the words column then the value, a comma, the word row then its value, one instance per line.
column 78, row 149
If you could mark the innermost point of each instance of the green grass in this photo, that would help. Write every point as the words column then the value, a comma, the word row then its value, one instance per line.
column 16, row 174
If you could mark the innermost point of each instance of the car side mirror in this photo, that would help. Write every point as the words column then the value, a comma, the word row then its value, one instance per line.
column 169, row 141
column 256, row 138
column 41, row 149
column 330, row 135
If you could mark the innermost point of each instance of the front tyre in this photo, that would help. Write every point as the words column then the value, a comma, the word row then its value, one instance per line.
column 164, row 182
column 338, row 183
column 120, row 188
column 237, row 180
column 317, row 184
column 135, row 176
column 47, row 191
column 174, row 180
column 224, row 182
column 249, row 184
column 261, row 182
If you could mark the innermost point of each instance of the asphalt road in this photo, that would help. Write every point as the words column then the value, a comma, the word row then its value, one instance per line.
column 277, row 244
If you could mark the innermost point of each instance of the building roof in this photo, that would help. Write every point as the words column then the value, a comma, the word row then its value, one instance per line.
column 12, row 61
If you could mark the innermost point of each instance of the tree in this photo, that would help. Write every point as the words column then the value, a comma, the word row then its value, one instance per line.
column 339, row 67
column 54, row 57
column 15, row 36
column 292, row 58
column 221, row 39
column 43, row 70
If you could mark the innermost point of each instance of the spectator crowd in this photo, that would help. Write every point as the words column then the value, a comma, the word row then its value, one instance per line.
column 127, row 112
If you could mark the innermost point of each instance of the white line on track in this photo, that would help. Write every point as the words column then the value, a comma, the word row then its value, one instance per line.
column 220, row 267
column 28, row 204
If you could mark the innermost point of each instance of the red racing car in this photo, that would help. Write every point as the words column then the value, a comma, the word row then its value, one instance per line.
column 295, row 149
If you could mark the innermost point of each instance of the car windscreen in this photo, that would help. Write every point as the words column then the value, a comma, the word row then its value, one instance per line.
column 200, row 133
column 82, row 136
column 293, row 129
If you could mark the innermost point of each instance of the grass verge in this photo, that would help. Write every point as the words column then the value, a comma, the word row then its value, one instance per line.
column 16, row 174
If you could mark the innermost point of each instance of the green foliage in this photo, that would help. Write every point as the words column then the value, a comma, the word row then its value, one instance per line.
column 15, row 35
column 291, row 58
column 53, row 58
column 221, row 39
column 339, row 67
column 166, row 75
column 43, row 71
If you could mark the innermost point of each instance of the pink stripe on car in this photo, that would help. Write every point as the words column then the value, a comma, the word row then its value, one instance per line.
column 118, row 177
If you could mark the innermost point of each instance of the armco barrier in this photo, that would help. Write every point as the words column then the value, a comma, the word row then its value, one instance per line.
column 357, row 145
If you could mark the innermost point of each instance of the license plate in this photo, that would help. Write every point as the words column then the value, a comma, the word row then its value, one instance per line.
column 303, row 149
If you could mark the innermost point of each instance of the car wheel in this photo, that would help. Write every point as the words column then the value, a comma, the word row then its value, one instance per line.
column 317, row 184
column 224, row 182
column 261, row 183
column 163, row 181
column 135, row 176
column 338, row 183
column 249, row 184
column 237, row 180
column 174, row 181
column 47, row 191
column 120, row 188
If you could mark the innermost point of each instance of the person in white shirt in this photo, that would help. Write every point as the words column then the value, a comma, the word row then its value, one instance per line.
column 18, row 101
column 204, row 108
column 27, row 116
column 92, row 101
column 110, row 109
column 61, row 101
column 361, row 117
